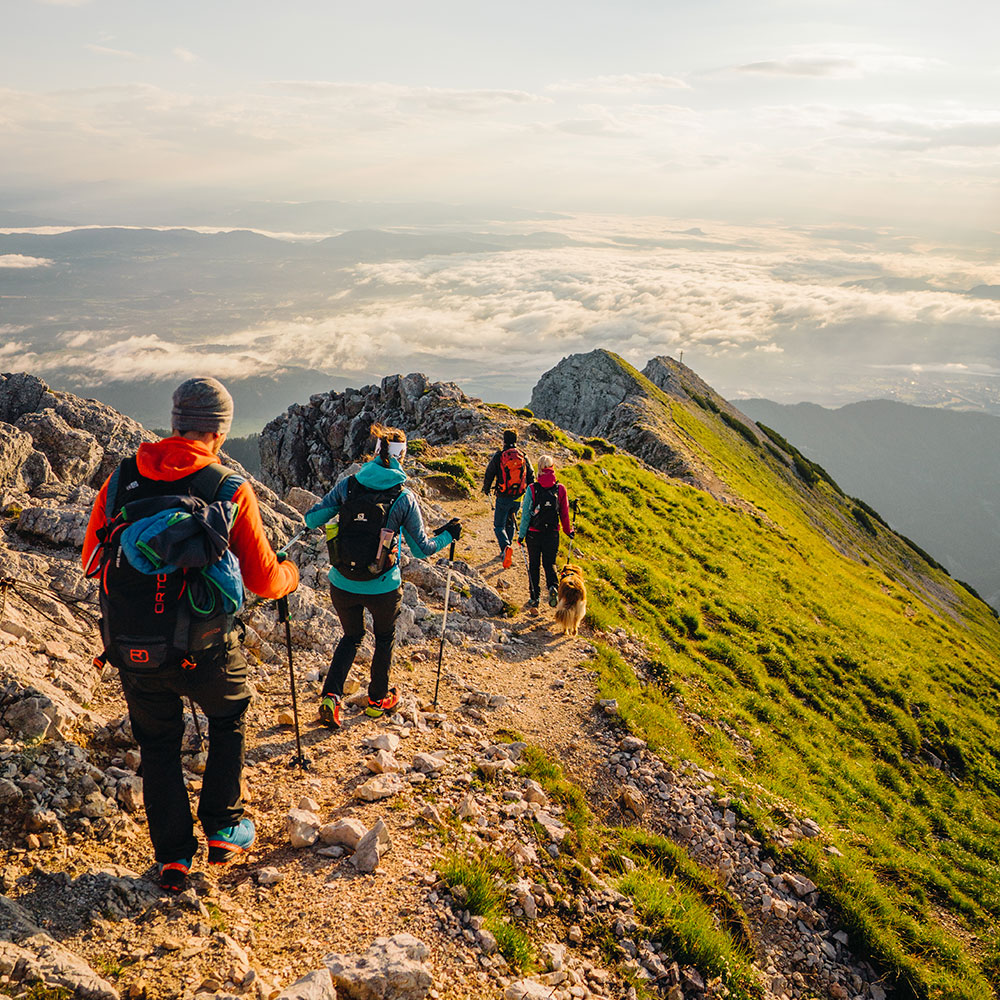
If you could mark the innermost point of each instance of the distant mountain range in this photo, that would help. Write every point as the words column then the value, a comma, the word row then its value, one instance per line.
column 933, row 474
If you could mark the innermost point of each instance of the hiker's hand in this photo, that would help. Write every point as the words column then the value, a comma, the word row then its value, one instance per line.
column 453, row 527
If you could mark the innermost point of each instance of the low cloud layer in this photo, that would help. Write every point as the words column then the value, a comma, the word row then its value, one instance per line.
column 757, row 311
column 20, row 261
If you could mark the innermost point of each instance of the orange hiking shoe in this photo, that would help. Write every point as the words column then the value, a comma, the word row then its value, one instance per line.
column 376, row 709
column 329, row 712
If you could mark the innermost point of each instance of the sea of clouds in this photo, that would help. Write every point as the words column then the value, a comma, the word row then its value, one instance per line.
column 772, row 311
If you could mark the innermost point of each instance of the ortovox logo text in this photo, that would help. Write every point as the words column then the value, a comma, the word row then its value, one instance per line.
column 161, row 596
column 139, row 655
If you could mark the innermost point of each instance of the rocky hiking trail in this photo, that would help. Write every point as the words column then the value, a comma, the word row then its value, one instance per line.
column 344, row 888
column 272, row 917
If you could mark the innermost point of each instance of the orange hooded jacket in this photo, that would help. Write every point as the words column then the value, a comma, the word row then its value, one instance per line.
column 177, row 457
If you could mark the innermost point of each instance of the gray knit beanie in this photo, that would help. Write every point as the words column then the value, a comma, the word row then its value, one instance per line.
column 202, row 404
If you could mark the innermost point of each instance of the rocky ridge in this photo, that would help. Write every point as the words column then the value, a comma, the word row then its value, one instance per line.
column 311, row 444
column 375, row 813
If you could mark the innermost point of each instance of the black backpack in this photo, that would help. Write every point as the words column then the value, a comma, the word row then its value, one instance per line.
column 146, row 619
column 544, row 507
column 361, row 553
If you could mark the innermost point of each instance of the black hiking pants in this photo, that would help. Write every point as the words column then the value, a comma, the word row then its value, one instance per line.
column 350, row 608
column 543, row 548
column 218, row 684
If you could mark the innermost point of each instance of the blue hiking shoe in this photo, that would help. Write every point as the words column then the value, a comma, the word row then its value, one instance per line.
column 173, row 875
column 233, row 840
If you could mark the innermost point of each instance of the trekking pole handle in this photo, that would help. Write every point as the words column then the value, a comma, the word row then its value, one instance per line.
column 291, row 541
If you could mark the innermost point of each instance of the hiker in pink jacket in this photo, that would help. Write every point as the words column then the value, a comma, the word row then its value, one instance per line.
column 544, row 508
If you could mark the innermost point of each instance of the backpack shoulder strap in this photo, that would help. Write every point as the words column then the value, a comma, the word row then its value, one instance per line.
column 207, row 483
column 126, row 467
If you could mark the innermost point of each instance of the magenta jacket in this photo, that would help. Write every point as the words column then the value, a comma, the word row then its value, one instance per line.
column 545, row 478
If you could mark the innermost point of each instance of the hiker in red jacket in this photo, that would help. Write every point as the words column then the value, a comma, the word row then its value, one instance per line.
column 510, row 469
column 543, row 509
column 215, row 673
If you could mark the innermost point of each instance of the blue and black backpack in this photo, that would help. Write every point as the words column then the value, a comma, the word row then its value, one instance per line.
column 169, row 585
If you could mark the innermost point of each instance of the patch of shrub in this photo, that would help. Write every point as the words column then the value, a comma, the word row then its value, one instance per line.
column 600, row 445
column 705, row 402
column 543, row 430
column 416, row 447
column 871, row 512
column 805, row 469
column 861, row 516
column 523, row 411
column 777, row 438
column 926, row 556
column 741, row 428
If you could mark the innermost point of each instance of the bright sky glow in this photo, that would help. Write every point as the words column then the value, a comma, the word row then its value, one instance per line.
column 787, row 110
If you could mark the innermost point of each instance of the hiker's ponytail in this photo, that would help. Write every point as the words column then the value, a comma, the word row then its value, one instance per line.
column 381, row 436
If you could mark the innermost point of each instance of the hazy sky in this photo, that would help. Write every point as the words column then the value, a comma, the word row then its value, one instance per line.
column 799, row 110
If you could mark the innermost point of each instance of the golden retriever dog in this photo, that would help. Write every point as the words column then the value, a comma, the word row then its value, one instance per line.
column 572, row 605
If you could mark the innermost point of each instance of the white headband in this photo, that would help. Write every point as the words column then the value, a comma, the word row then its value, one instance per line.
column 397, row 449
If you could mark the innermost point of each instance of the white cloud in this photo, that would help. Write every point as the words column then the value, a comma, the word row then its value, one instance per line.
column 626, row 83
column 104, row 50
column 840, row 62
column 185, row 55
column 735, row 300
column 14, row 347
column 20, row 261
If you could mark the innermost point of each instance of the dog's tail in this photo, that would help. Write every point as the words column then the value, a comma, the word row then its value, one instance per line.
column 564, row 613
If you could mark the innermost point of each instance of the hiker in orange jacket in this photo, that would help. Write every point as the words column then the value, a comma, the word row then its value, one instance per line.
column 215, row 676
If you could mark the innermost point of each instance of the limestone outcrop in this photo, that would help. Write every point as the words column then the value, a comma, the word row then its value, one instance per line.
column 312, row 443
column 598, row 394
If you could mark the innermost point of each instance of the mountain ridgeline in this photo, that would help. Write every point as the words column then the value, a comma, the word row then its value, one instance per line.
column 933, row 473
column 834, row 688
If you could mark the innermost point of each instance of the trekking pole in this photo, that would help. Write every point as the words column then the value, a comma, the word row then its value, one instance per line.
column 300, row 760
column 291, row 541
column 444, row 621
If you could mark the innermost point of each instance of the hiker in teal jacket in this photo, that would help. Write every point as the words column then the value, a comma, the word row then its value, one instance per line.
column 382, row 596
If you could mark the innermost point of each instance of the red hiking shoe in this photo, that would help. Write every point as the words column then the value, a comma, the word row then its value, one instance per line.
column 376, row 709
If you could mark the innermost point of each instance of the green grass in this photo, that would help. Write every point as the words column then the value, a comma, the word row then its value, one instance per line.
column 458, row 468
column 576, row 812
column 841, row 658
column 677, row 916
column 681, row 903
column 483, row 875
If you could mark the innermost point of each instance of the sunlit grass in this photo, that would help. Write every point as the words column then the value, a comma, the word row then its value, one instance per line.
column 842, row 659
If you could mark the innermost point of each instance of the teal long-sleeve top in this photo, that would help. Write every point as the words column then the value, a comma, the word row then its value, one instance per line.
column 404, row 518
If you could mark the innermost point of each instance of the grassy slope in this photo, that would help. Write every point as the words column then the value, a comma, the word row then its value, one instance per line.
column 837, row 669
